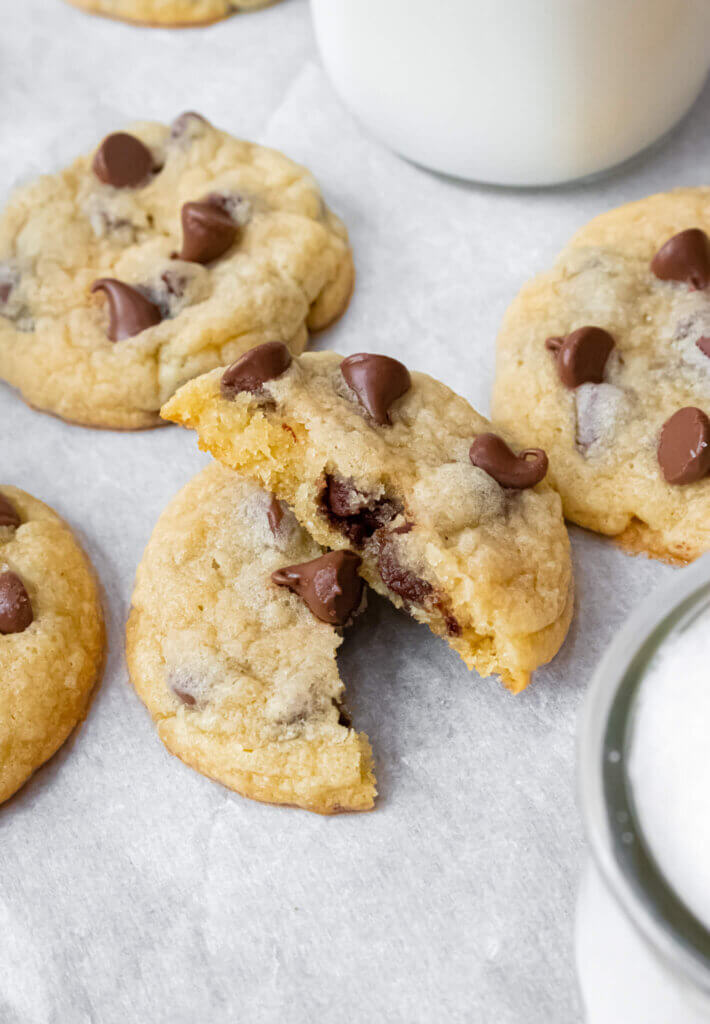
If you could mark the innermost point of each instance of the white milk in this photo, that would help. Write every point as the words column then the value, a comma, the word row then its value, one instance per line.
column 516, row 92
column 669, row 762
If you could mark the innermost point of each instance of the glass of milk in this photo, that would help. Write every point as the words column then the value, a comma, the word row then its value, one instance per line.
column 643, row 916
column 516, row 92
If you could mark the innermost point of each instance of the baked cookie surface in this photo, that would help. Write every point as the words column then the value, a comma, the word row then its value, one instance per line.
column 390, row 465
column 168, row 251
column 51, row 635
column 236, row 669
column 175, row 13
column 622, row 410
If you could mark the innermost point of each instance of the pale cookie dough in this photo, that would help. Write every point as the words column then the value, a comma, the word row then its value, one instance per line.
column 176, row 13
column 238, row 674
column 603, row 436
column 51, row 635
column 485, row 565
column 262, row 258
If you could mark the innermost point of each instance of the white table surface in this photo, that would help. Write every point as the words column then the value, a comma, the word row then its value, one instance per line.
column 134, row 890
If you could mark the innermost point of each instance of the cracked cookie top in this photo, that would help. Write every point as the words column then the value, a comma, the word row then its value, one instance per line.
column 164, row 253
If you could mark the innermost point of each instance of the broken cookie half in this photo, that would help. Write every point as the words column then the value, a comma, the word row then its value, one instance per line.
column 231, row 645
column 450, row 523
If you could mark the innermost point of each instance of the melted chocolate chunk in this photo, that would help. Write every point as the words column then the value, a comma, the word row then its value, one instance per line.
column 123, row 161
column 329, row 585
column 353, row 513
column 9, row 516
column 207, row 232
column 184, row 696
column 129, row 311
column 684, row 446
column 257, row 366
column 582, row 355
column 15, row 605
column 377, row 381
column 400, row 580
column 686, row 258
column 491, row 454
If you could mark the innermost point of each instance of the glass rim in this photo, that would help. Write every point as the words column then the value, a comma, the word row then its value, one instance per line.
column 618, row 845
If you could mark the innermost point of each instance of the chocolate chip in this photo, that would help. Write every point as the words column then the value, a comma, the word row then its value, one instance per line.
column 378, row 381
column 123, row 161
column 5, row 289
column 582, row 355
column 189, row 119
column 356, row 515
column 184, row 696
column 207, row 232
column 252, row 370
column 329, row 585
column 344, row 718
column 174, row 282
column 400, row 580
column 275, row 514
column 684, row 257
column 15, row 605
column 684, row 446
column 704, row 345
column 129, row 311
column 491, row 454
column 9, row 515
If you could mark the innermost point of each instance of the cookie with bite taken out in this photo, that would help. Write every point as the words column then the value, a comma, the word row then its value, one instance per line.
column 449, row 521
column 231, row 644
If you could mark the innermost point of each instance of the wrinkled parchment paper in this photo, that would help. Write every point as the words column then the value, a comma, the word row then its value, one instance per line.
column 134, row 890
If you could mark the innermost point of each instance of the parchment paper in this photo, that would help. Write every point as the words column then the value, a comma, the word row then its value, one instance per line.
column 131, row 888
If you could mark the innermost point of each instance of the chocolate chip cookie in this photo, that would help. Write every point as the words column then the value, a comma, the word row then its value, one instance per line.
column 450, row 523
column 605, row 362
column 168, row 251
column 231, row 646
column 175, row 13
column 51, row 635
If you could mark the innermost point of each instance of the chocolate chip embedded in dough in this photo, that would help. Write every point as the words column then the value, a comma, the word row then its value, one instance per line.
column 684, row 446
column 704, row 345
column 207, row 232
column 329, row 585
column 355, row 514
column 9, row 516
column 491, row 454
column 129, row 311
column 686, row 258
column 582, row 355
column 185, row 122
column 15, row 605
column 378, row 381
column 400, row 580
column 275, row 514
column 257, row 366
column 123, row 161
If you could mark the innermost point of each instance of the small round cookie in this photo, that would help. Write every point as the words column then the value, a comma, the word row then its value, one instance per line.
column 231, row 646
column 605, row 362
column 169, row 13
column 51, row 635
column 166, row 252
column 450, row 523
